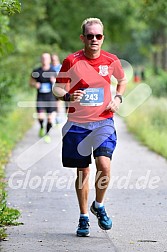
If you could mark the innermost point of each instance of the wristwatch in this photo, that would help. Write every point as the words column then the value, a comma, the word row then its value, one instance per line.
column 119, row 96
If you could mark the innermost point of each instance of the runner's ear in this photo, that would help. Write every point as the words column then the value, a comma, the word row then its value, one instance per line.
column 82, row 38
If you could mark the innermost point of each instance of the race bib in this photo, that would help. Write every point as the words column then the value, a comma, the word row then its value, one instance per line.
column 93, row 97
column 45, row 87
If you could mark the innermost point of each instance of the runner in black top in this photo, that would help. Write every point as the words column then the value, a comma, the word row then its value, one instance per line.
column 42, row 79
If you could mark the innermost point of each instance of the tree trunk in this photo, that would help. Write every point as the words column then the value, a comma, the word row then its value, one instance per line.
column 164, row 51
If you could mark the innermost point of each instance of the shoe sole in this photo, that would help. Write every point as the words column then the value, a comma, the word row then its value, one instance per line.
column 81, row 235
column 41, row 135
column 93, row 211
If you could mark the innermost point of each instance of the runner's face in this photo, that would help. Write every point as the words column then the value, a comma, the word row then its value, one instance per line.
column 94, row 44
column 55, row 60
column 45, row 59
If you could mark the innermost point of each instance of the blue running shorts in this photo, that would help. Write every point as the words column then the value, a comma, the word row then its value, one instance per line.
column 80, row 140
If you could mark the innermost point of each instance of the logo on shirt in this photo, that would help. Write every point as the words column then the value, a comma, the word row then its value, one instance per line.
column 103, row 70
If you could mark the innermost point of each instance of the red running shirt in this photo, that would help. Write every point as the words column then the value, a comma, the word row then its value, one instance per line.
column 94, row 76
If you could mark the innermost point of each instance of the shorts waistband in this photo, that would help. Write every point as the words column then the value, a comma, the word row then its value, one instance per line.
column 92, row 125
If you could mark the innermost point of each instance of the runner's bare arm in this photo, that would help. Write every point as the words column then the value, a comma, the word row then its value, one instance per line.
column 115, row 103
column 34, row 83
column 60, row 92
column 121, row 86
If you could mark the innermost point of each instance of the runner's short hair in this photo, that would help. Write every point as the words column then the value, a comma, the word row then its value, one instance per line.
column 90, row 21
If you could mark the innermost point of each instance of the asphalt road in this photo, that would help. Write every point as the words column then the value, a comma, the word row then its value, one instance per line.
column 44, row 193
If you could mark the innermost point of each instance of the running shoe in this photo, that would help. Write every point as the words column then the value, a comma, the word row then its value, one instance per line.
column 104, row 221
column 83, row 227
column 47, row 138
column 41, row 132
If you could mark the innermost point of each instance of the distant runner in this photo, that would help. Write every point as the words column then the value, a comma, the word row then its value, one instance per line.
column 42, row 79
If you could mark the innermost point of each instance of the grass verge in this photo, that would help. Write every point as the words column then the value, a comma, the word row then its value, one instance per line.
column 13, row 127
column 149, row 124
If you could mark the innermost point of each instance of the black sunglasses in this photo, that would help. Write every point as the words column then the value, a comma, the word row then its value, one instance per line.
column 91, row 36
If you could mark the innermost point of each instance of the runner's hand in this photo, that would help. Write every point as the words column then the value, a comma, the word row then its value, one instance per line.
column 114, row 105
column 37, row 85
column 77, row 95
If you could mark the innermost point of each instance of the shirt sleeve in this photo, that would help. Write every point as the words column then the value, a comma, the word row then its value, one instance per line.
column 118, row 71
column 63, row 74
column 35, row 74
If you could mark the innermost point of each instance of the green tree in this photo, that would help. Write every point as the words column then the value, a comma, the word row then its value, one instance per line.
column 7, row 8
column 155, row 15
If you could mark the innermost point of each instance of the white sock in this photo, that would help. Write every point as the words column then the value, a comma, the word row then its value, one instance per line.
column 97, row 204
column 84, row 215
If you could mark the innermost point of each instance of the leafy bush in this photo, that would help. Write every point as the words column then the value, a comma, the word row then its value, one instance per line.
column 8, row 216
column 158, row 83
